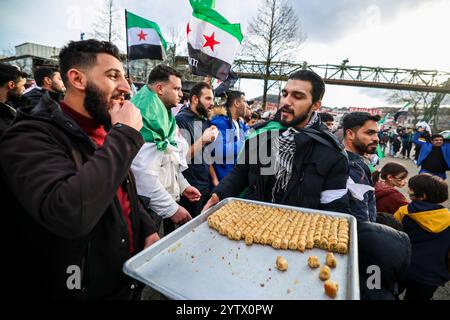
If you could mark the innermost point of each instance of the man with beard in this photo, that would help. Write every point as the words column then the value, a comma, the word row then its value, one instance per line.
column 47, row 79
column 360, row 138
column 159, row 164
column 196, row 129
column 295, row 161
column 73, row 213
column 12, row 86
column 232, row 132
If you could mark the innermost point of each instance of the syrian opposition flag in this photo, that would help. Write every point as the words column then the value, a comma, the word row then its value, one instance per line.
column 212, row 42
column 206, row 3
column 221, row 87
column 402, row 112
column 144, row 39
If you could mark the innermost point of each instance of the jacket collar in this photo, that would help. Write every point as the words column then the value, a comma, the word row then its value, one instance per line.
column 434, row 221
column 49, row 110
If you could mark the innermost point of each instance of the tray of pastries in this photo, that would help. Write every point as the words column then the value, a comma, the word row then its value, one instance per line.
column 248, row 250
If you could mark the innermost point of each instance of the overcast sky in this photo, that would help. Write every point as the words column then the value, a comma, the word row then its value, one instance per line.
column 401, row 33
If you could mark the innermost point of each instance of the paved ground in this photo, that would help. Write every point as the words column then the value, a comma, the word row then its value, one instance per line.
column 442, row 293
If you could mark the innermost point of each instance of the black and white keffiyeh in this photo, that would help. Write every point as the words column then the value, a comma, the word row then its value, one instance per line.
column 286, row 147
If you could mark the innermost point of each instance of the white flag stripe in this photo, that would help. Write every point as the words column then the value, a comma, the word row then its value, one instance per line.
column 151, row 37
column 224, row 51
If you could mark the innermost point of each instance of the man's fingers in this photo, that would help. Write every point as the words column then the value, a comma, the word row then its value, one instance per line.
column 115, row 107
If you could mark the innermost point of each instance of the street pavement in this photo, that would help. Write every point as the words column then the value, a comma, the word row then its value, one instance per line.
column 443, row 293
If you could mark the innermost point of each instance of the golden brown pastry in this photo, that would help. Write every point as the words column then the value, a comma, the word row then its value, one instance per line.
column 313, row 262
column 325, row 273
column 282, row 263
column 342, row 248
column 331, row 288
column 330, row 260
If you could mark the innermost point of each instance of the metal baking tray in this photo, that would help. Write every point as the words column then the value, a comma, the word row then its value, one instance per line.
column 195, row 262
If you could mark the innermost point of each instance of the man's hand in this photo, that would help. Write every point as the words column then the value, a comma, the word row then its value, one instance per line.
column 211, row 202
column 192, row 194
column 181, row 216
column 210, row 135
column 215, row 182
column 151, row 239
column 126, row 114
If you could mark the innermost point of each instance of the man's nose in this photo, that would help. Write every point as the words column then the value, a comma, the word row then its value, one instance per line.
column 124, row 87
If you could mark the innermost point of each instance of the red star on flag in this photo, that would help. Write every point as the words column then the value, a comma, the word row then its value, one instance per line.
column 142, row 35
column 188, row 29
column 210, row 41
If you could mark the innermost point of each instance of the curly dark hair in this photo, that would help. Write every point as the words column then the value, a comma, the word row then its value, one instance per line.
column 432, row 188
column 83, row 54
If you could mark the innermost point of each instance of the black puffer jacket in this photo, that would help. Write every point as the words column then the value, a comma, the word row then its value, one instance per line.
column 384, row 249
column 62, row 209
column 35, row 95
column 319, row 178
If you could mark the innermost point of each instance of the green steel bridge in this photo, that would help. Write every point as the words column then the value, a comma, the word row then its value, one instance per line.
column 347, row 75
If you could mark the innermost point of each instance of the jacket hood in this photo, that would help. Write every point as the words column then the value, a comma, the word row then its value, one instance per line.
column 35, row 93
column 435, row 220
column 382, row 190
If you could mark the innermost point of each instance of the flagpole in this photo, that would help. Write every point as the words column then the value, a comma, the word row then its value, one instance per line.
column 126, row 34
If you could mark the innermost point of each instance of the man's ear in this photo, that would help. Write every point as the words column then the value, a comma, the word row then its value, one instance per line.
column 159, row 88
column 195, row 100
column 47, row 81
column 77, row 79
column 11, row 85
column 316, row 106
column 349, row 134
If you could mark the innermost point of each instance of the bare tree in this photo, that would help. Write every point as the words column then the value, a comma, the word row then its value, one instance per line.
column 419, row 101
column 273, row 35
column 176, row 44
column 110, row 23
column 422, row 103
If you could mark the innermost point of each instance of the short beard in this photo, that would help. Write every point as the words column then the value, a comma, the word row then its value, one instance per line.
column 201, row 109
column 362, row 148
column 298, row 120
column 55, row 89
column 97, row 105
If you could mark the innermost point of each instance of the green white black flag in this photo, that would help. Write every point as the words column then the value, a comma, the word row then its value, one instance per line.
column 212, row 42
column 144, row 39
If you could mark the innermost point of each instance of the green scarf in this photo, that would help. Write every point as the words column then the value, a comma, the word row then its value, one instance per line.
column 159, row 123
column 270, row 126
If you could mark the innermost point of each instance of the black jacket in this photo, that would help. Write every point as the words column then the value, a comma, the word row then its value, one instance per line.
column 384, row 257
column 366, row 209
column 320, row 167
column 7, row 114
column 62, row 209
column 35, row 95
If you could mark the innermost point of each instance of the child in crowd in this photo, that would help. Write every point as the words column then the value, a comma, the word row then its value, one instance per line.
column 392, row 176
column 427, row 224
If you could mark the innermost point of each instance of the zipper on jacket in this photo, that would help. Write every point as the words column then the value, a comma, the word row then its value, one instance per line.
column 85, row 268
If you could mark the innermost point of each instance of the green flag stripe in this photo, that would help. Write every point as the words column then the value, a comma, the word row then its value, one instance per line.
column 134, row 21
column 211, row 16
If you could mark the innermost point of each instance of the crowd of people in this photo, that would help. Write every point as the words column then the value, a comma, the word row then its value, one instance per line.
column 93, row 178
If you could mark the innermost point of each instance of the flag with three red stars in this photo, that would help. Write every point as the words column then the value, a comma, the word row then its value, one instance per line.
column 212, row 42
column 144, row 39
